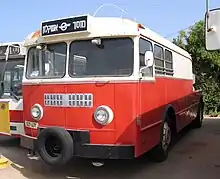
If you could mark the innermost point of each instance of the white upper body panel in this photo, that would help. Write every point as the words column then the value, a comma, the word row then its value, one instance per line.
column 113, row 27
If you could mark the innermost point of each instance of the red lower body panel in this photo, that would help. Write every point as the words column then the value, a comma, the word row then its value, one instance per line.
column 139, row 109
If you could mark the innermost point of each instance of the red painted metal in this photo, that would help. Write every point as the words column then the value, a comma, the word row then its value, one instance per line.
column 144, row 100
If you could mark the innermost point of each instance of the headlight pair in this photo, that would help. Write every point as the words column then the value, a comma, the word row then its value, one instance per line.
column 102, row 115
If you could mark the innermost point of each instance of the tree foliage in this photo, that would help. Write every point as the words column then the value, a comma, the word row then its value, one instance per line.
column 206, row 65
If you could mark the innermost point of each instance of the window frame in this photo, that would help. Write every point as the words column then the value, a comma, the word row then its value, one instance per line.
column 45, row 77
column 163, row 71
column 168, row 71
column 9, row 71
column 159, row 69
column 104, row 76
column 148, row 41
column 141, row 55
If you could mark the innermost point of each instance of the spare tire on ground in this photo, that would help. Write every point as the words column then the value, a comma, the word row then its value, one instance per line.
column 55, row 146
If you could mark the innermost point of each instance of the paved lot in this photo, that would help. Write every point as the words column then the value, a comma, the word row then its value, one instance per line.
column 196, row 155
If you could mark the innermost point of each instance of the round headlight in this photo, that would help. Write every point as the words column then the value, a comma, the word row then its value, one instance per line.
column 37, row 112
column 103, row 115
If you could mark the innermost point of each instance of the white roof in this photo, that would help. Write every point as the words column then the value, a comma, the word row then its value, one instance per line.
column 105, row 27
column 11, row 43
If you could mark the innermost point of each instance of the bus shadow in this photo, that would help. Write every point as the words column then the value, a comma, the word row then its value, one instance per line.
column 183, row 134
column 7, row 141
column 79, row 168
column 83, row 169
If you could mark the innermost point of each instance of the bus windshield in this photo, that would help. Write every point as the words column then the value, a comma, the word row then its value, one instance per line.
column 113, row 57
column 47, row 63
column 13, row 77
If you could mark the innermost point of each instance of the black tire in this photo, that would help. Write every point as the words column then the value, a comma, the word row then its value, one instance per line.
column 160, row 153
column 197, row 122
column 47, row 153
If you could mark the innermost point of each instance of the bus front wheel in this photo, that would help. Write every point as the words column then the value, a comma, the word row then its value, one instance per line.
column 55, row 146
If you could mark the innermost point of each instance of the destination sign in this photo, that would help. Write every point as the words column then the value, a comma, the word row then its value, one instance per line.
column 62, row 26
column 13, row 50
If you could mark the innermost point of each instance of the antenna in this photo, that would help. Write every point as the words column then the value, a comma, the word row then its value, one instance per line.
column 113, row 5
column 207, row 13
column 207, row 6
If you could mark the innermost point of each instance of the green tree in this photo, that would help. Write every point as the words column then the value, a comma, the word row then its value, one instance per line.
column 206, row 65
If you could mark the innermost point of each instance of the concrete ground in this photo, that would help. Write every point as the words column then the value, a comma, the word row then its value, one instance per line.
column 196, row 155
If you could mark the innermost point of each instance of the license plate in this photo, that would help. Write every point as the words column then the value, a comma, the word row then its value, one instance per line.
column 32, row 125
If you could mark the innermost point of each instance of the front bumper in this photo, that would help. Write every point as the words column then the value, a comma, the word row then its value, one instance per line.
column 105, row 151
column 17, row 128
column 83, row 147
column 28, row 142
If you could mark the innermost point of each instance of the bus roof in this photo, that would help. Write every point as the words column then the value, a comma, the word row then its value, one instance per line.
column 54, row 31
column 14, row 51
column 11, row 43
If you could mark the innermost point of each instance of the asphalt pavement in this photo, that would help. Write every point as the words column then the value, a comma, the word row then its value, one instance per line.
column 195, row 155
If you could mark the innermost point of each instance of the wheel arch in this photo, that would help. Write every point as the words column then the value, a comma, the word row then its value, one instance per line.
column 170, row 111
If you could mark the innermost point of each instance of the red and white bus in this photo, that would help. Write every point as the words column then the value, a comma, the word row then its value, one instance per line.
column 12, row 55
column 105, row 88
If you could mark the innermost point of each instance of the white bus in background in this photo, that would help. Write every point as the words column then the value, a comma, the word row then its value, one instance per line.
column 12, row 55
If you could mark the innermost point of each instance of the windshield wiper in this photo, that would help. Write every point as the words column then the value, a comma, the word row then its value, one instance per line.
column 15, row 96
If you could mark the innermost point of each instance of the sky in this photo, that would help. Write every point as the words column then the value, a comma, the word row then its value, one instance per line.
column 18, row 18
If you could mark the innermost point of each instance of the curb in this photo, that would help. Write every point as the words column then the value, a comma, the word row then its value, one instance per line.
column 4, row 162
column 209, row 117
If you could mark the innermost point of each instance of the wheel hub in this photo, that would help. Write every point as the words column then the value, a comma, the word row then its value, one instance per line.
column 53, row 147
column 97, row 163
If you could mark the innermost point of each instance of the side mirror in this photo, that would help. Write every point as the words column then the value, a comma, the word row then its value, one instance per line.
column 212, row 29
column 148, row 58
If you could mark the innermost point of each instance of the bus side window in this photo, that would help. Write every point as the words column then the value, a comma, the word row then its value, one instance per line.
column 168, row 62
column 159, row 60
column 145, row 45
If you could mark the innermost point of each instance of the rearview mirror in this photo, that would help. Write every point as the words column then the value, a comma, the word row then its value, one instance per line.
column 97, row 41
column 42, row 47
column 212, row 29
column 148, row 58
